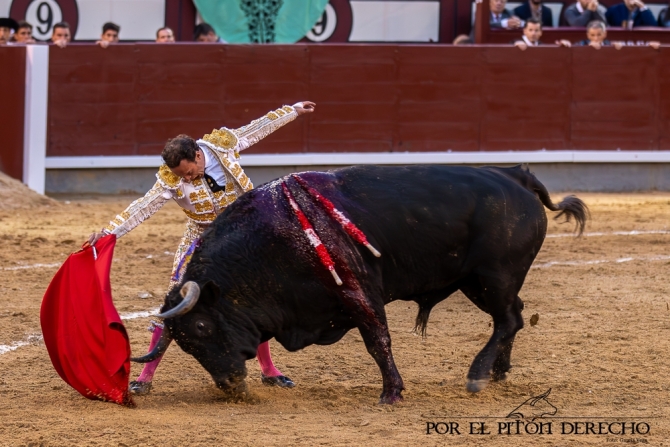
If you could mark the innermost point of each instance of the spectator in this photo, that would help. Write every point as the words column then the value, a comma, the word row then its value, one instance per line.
column 7, row 25
column 205, row 33
column 110, row 34
column 532, row 31
column 664, row 18
column 61, row 35
column 584, row 12
column 164, row 35
column 24, row 33
column 596, row 36
column 501, row 17
column 534, row 9
column 629, row 14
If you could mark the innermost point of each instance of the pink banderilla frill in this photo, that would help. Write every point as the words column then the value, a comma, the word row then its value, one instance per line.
column 351, row 229
column 314, row 239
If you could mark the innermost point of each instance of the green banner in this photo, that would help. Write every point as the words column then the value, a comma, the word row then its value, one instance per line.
column 261, row 21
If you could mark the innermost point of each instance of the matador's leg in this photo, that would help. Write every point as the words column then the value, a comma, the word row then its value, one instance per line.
column 143, row 383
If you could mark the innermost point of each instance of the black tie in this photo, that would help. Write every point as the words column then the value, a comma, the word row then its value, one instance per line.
column 213, row 186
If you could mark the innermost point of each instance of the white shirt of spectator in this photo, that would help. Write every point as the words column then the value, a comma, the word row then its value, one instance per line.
column 497, row 19
column 528, row 42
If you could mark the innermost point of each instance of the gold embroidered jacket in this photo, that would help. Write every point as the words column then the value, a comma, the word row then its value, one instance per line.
column 200, row 204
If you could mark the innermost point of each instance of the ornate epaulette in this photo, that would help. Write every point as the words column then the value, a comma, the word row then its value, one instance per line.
column 169, row 179
column 222, row 138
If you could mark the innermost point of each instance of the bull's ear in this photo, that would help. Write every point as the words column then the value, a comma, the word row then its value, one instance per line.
column 210, row 293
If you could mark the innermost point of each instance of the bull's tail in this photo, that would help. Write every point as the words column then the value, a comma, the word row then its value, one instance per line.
column 571, row 207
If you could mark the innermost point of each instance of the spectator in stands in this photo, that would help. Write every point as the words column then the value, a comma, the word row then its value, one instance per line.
column 534, row 9
column 501, row 17
column 7, row 26
column 664, row 18
column 584, row 12
column 110, row 34
column 629, row 14
column 205, row 33
column 532, row 31
column 596, row 36
column 24, row 33
column 61, row 36
column 164, row 35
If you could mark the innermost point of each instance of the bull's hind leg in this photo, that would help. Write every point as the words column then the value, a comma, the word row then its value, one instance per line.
column 505, row 307
column 502, row 363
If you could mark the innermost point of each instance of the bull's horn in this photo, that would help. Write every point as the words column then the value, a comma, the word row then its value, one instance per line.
column 158, row 350
column 190, row 292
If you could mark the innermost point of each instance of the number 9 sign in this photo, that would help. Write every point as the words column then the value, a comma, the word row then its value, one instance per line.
column 44, row 14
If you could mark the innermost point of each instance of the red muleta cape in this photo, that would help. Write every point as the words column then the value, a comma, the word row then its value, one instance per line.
column 83, row 332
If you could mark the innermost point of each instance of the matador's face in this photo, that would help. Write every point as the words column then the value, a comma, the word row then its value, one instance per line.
column 191, row 170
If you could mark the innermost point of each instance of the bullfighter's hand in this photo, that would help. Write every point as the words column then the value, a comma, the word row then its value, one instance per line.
column 94, row 237
column 307, row 107
column 102, row 43
column 520, row 44
column 61, row 43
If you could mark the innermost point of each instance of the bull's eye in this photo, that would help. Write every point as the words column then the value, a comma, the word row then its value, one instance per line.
column 202, row 328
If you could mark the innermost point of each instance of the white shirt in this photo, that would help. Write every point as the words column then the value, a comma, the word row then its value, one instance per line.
column 528, row 42
column 213, row 167
column 498, row 19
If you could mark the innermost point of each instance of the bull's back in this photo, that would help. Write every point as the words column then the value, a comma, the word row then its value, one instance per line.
column 426, row 220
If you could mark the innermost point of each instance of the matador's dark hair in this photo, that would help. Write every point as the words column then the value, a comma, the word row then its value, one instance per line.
column 181, row 147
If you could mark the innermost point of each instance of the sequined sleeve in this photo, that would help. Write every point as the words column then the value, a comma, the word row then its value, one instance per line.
column 260, row 128
column 140, row 210
column 234, row 141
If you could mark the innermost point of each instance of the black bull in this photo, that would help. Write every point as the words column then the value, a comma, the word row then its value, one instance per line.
column 439, row 229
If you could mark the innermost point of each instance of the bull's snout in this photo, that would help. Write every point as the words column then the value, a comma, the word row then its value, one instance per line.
column 232, row 381
column 232, row 384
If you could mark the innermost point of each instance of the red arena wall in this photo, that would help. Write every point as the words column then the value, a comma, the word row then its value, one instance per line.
column 130, row 98
column 12, row 80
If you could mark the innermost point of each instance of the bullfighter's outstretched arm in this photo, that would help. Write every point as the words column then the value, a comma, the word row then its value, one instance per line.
column 242, row 138
column 144, row 207
column 260, row 128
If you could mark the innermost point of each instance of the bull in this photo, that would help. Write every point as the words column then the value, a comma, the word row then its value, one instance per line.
column 439, row 229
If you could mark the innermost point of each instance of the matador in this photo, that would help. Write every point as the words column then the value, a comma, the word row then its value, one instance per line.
column 203, row 177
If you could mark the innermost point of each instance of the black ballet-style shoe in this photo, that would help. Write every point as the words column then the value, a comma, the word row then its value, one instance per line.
column 280, row 381
column 139, row 388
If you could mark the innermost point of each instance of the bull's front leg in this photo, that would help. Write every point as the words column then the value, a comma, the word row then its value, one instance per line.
column 370, row 318
column 378, row 343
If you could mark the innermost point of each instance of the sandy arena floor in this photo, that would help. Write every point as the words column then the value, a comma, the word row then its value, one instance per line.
column 601, row 345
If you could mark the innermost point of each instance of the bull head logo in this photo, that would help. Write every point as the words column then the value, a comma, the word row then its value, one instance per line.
column 534, row 407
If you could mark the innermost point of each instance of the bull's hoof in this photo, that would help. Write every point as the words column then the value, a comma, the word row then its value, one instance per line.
column 139, row 388
column 498, row 376
column 390, row 398
column 475, row 386
column 280, row 381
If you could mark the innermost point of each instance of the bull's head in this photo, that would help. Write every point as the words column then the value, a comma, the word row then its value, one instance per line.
column 210, row 329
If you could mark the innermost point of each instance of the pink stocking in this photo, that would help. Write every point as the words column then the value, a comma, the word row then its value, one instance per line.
column 150, row 368
column 265, row 361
